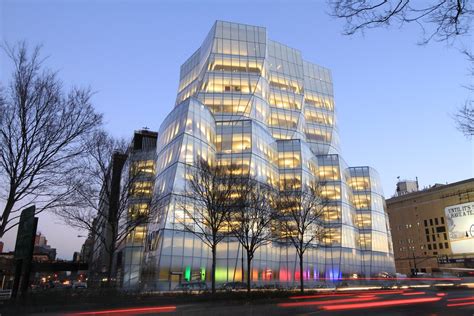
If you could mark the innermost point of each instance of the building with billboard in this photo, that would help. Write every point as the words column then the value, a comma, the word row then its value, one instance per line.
column 255, row 104
column 433, row 229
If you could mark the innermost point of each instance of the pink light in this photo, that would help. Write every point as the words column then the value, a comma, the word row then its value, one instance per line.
column 398, row 279
column 131, row 311
column 302, row 297
column 381, row 303
column 413, row 293
column 284, row 275
column 441, row 294
column 384, row 292
column 349, row 300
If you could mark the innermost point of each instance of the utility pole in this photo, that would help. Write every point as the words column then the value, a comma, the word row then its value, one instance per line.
column 414, row 264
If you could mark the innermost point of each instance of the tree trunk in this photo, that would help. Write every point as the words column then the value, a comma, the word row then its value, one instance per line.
column 109, row 270
column 213, row 270
column 301, row 273
column 6, row 212
column 249, row 263
column 243, row 270
column 112, row 249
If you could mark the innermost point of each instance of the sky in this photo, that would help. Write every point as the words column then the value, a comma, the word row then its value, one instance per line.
column 394, row 98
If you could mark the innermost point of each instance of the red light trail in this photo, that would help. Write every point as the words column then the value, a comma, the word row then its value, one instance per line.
column 381, row 303
column 413, row 293
column 349, row 300
column 471, row 298
column 130, row 311
column 460, row 304
column 393, row 279
column 302, row 297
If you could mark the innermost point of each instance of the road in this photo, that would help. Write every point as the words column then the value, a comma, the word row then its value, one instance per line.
column 417, row 302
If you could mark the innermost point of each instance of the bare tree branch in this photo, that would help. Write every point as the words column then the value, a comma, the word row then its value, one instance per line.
column 109, row 192
column 442, row 20
column 301, row 220
column 207, row 203
column 250, row 218
column 42, row 133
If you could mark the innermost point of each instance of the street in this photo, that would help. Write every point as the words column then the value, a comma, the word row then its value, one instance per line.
column 414, row 301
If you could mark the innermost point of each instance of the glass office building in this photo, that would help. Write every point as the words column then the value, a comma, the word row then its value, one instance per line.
column 247, row 101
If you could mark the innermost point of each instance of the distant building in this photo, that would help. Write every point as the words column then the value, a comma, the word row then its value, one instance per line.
column 40, row 240
column 76, row 256
column 86, row 249
column 42, row 248
column 433, row 229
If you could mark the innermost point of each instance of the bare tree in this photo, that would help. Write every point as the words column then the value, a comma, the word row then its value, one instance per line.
column 464, row 118
column 300, row 220
column 250, row 218
column 442, row 20
column 209, row 196
column 105, row 192
column 42, row 132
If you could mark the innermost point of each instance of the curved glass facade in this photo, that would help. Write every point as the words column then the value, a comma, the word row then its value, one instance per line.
column 247, row 101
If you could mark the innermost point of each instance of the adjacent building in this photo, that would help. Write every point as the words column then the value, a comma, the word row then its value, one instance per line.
column 126, row 195
column 141, row 161
column 105, row 222
column 255, row 104
column 433, row 229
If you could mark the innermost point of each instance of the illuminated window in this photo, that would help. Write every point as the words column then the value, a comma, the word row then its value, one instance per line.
column 364, row 220
column 289, row 160
column 331, row 192
column 290, row 181
column 361, row 201
column 332, row 213
column 138, row 208
column 332, row 236
column 143, row 166
column 142, row 188
column 328, row 172
column 314, row 116
column 359, row 183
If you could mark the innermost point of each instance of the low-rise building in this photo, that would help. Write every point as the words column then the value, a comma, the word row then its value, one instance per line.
column 433, row 229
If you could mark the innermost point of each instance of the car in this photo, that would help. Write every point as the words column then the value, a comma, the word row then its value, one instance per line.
column 79, row 285
column 193, row 286
column 232, row 286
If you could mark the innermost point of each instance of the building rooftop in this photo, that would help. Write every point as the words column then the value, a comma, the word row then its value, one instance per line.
column 432, row 189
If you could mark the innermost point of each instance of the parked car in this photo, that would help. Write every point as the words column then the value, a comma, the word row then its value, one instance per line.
column 232, row 286
column 79, row 285
column 270, row 286
column 188, row 287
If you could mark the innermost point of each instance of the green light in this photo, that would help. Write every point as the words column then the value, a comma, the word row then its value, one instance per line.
column 203, row 274
column 187, row 273
column 221, row 274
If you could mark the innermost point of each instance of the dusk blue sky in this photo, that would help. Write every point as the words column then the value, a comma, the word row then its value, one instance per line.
column 394, row 98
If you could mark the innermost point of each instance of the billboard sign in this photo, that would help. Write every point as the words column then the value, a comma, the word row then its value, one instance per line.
column 460, row 219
